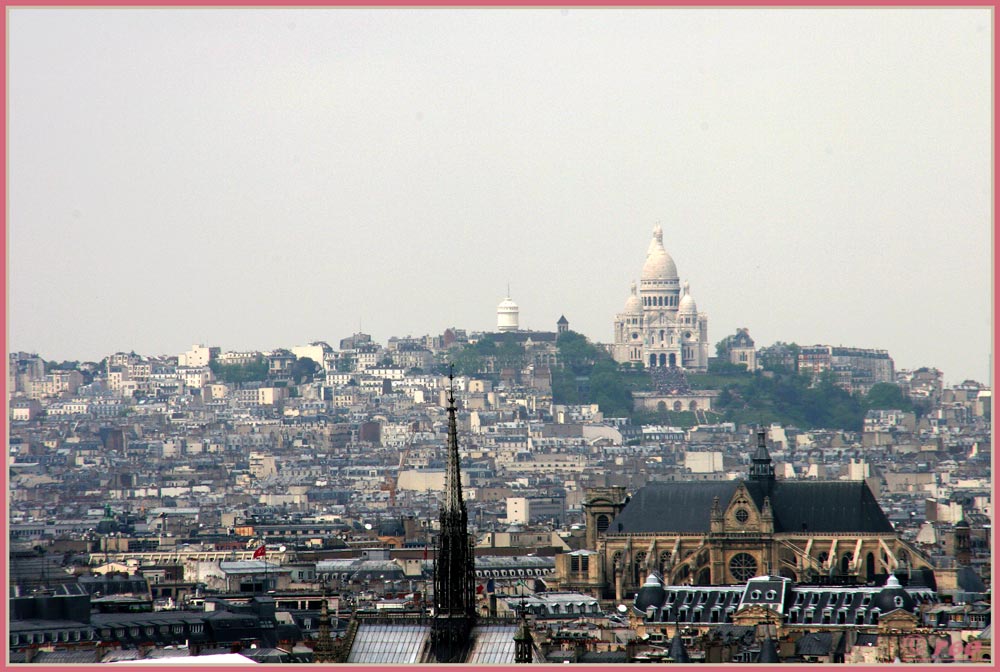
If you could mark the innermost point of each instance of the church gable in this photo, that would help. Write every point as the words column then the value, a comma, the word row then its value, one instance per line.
column 742, row 513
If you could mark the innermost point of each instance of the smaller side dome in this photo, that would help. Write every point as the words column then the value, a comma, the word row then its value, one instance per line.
column 633, row 305
column 687, row 304
column 651, row 594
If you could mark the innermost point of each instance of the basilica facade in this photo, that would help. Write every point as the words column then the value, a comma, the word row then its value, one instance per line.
column 660, row 325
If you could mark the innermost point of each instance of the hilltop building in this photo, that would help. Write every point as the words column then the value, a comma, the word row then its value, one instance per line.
column 507, row 315
column 660, row 325
column 854, row 369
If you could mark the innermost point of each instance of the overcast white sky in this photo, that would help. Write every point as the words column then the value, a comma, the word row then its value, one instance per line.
column 258, row 178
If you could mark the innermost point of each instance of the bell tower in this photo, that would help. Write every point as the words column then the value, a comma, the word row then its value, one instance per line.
column 762, row 468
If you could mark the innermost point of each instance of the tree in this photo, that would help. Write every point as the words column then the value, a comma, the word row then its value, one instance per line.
column 722, row 348
column 254, row 371
column 577, row 353
column 467, row 360
column 303, row 369
column 887, row 396
column 607, row 389
column 510, row 355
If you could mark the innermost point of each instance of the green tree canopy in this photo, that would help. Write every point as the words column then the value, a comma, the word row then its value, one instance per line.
column 887, row 396
column 303, row 369
column 254, row 371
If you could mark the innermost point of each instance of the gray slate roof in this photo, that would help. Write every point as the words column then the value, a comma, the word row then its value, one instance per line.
column 815, row 506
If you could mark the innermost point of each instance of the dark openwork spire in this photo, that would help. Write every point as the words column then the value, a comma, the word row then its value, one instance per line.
column 324, row 651
column 454, row 564
column 762, row 468
column 453, row 477
column 523, row 641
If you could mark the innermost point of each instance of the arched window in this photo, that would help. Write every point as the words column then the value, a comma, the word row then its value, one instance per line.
column 693, row 406
column 603, row 521
column 678, row 406
column 845, row 562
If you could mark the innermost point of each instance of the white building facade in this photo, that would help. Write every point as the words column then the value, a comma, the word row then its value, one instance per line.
column 660, row 325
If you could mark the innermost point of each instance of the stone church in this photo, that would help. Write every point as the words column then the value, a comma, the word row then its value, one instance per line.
column 725, row 532
column 660, row 325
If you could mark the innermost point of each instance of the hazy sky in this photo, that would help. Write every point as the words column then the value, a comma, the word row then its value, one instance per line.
column 259, row 178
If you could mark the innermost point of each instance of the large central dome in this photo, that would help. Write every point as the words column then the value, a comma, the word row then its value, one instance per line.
column 659, row 265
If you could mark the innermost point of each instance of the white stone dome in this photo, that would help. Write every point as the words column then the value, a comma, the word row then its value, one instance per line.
column 659, row 265
column 507, row 305
column 633, row 305
column 687, row 304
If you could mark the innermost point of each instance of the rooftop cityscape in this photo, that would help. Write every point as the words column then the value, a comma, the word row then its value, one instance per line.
column 502, row 496
column 534, row 335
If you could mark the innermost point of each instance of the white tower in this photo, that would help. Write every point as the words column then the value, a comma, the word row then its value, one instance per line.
column 507, row 315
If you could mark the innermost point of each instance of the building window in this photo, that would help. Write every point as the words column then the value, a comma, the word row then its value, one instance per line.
column 743, row 567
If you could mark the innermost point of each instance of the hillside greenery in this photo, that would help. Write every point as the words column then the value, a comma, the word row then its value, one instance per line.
column 240, row 373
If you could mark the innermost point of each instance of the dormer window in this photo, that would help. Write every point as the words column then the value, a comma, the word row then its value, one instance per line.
column 755, row 595
column 771, row 595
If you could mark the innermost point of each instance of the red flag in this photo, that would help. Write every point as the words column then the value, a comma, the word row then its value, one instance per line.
column 260, row 552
